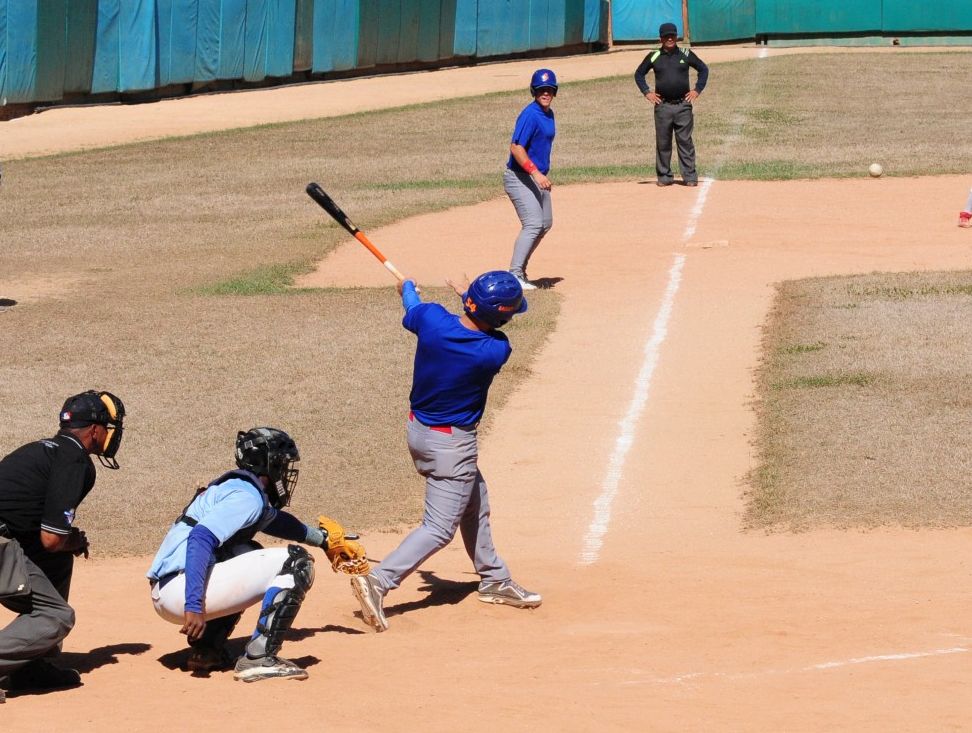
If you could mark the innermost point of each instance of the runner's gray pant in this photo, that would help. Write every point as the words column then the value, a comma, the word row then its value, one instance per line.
column 533, row 206
column 674, row 119
column 455, row 498
column 43, row 616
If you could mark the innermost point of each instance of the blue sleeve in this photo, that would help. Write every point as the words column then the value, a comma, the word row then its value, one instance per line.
column 200, row 547
column 410, row 298
column 415, row 317
column 287, row 527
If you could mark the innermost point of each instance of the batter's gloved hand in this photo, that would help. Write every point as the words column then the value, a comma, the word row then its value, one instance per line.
column 346, row 556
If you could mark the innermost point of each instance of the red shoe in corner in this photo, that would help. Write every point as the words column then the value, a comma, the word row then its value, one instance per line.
column 965, row 219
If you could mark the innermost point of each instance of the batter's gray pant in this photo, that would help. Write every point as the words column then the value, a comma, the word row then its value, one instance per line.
column 455, row 498
column 535, row 210
column 43, row 616
column 674, row 119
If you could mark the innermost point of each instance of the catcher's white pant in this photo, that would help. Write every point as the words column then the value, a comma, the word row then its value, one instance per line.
column 233, row 586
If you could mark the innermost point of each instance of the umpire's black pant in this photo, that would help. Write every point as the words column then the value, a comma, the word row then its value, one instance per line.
column 38, row 598
column 674, row 119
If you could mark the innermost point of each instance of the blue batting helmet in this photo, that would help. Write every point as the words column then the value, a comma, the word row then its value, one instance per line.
column 494, row 298
column 543, row 78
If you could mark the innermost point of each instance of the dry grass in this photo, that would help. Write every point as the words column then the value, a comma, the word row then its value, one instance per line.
column 170, row 264
column 864, row 406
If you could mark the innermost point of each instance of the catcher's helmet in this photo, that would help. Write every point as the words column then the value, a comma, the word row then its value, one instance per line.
column 97, row 408
column 543, row 78
column 494, row 298
column 272, row 453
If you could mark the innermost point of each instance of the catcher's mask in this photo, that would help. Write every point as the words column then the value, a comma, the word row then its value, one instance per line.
column 272, row 453
column 494, row 298
column 97, row 408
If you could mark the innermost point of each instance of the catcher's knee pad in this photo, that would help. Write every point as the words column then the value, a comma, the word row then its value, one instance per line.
column 299, row 564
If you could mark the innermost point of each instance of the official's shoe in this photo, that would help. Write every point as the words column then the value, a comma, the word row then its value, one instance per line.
column 370, row 595
column 965, row 219
column 691, row 184
column 39, row 675
column 266, row 668
column 508, row 592
column 208, row 659
column 662, row 184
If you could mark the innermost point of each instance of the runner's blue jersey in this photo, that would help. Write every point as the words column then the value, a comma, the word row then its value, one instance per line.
column 534, row 130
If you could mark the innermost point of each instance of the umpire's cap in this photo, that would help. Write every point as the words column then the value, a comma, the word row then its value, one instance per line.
column 667, row 29
column 92, row 408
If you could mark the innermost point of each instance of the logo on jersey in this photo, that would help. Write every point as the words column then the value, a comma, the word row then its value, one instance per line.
column 69, row 517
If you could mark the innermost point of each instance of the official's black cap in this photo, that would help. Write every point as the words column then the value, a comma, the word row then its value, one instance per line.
column 90, row 408
column 667, row 29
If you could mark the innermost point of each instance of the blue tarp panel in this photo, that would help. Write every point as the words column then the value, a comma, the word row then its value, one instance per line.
column 907, row 15
column 447, row 28
column 177, row 21
column 595, row 19
column 280, row 49
column 368, row 33
column 304, row 35
column 126, row 53
column 389, row 31
column 467, row 27
column 429, row 24
column 408, row 37
column 20, row 59
column 574, row 21
column 51, row 37
column 335, row 35
column 503, row 27
column 3, row 52
column 638, row 20
column 82, row 28
column 817, row 16
column 722, row 20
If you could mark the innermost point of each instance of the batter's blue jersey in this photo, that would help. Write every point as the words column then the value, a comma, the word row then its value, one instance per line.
column 454, row 366
column 535, row 130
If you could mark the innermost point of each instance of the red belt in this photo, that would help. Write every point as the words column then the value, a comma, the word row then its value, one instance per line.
column 447, row 429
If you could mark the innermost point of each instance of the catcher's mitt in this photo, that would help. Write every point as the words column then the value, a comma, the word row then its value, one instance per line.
column 346, row 556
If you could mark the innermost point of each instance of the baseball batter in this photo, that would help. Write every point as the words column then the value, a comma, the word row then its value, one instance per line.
column 209, row 569
column 525, row 179
column 456, row 359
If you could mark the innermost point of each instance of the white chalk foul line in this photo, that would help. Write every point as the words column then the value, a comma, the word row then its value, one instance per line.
column 603, row 503
column 822, row 667
column 696, row 213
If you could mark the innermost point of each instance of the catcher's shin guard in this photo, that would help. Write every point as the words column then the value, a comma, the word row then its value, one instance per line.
column 280, row 605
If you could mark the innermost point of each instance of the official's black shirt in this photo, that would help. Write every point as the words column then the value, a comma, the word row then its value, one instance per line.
column 42, row 484
column 671, row 73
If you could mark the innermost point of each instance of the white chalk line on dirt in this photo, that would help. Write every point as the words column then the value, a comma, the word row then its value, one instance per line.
column 822, row 667
column 609, row 487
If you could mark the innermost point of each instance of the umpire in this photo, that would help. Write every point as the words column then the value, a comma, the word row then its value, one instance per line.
column 672, row 100
column 41, row 485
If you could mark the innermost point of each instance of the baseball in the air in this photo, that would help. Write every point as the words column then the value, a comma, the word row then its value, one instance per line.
column 876, row 169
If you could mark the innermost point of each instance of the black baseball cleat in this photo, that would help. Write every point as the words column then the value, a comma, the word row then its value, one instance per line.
column 40, row 675
column 209, row 659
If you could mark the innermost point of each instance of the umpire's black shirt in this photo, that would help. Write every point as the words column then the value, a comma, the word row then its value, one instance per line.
column 41, row 485
column 671, row 73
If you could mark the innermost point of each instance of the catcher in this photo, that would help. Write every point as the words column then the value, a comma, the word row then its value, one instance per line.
column 209, row 568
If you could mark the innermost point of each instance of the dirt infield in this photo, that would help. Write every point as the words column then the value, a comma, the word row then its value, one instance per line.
column 615, row 475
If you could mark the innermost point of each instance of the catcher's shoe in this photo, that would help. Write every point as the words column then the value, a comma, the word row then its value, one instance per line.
column 965, row 219
column 208, row 659
column 370, row 595
column 508, row 592
column 40, row 675
column 266, row 668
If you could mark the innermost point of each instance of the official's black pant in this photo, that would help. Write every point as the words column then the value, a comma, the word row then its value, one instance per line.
column 677, row 120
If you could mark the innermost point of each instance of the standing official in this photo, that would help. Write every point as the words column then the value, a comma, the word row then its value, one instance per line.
column 41, row 485
column 672, row 100
column 525, row 180
column 456, row 359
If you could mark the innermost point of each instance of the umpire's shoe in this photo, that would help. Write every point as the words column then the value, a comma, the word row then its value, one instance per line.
column 370, row 595
column 40, row 675
column 509, row 593
column 266, row 668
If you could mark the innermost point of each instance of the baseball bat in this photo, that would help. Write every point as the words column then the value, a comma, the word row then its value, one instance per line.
column 327, row 203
